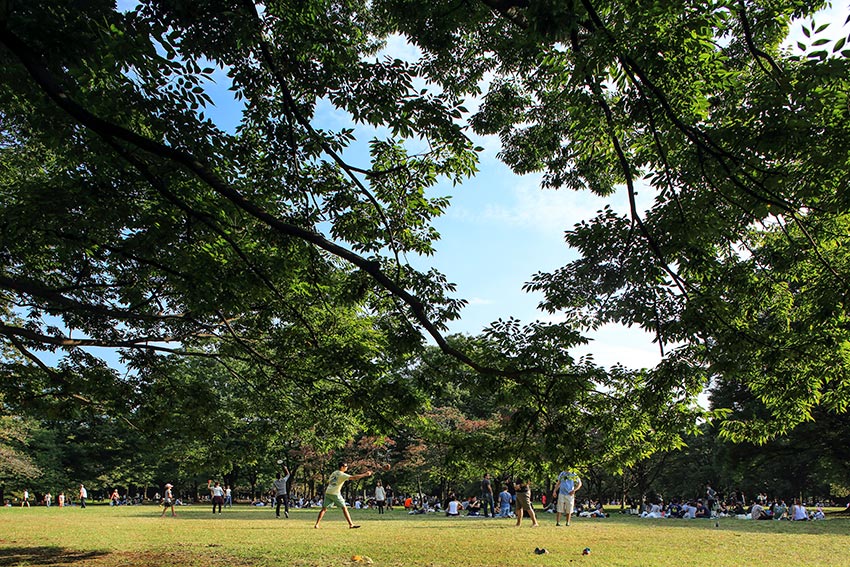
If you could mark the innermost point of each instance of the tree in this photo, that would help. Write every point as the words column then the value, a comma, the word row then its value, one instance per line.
column 806, row 462
column 576, row 414
column 16, row 465
column 130, row 220
column 740, row 262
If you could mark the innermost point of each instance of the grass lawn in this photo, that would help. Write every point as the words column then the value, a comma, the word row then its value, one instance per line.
column 101, row 536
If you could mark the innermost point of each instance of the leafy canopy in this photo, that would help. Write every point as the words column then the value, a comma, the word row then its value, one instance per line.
column 130, row 220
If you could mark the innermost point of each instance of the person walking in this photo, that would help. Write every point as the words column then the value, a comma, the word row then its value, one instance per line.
column 26, row 499
column 168, row 501
column 487, row 496
column 333, row 493
column 83, row 495
column 281, row 493
column 228, row 498
column 217, row 494
column 565, row 490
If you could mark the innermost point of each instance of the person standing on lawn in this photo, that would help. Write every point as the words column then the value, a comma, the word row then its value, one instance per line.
column 333, row 493
column 565, row 491
column 216, row 495
column 281, row 493
column 380, row 497
column 523, row 503
column 487, row 496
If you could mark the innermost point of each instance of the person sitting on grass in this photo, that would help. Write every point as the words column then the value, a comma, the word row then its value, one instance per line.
column 780, row 510
column 473, row 508
column 798, row 511
column 333, row 494
column 757, row 512
column 454, row 507
column 674, row 509
column 653, row 512
column 598, row 510
column 505, row 500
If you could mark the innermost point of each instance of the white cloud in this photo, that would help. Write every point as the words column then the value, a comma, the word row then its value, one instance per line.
column 616, row 344
column 398, row 47
column 548, row 211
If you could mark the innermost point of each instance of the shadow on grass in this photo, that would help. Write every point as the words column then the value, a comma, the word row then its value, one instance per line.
column 45, row 556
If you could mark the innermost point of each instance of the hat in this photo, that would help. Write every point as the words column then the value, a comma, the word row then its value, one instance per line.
column 168, row 485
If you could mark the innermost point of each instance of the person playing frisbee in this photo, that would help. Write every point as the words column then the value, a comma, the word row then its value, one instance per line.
column 333, row 493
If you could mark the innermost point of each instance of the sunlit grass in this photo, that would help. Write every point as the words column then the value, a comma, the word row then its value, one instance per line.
column 105, row 537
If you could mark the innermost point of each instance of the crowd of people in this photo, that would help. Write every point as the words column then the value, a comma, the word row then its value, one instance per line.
column 507, row 498
column 47, row 499
column 735, row 505
column 515, row 499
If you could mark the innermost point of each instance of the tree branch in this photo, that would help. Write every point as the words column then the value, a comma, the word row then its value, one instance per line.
column 111, row 131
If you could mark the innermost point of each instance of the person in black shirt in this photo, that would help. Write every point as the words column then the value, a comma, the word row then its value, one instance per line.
column 487, row 495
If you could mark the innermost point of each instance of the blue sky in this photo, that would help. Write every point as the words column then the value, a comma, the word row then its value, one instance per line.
column 499, row 231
